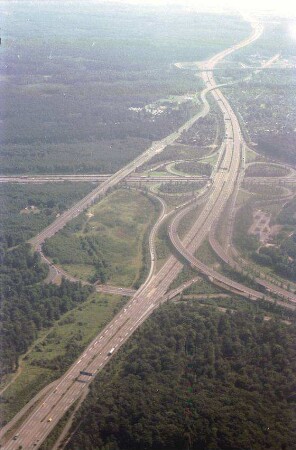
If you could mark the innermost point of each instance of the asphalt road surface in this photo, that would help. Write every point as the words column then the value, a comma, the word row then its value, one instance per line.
column 133, row 178
column 38, row 424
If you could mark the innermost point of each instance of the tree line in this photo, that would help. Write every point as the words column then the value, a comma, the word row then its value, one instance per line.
column 194, row 377
column 27, row 304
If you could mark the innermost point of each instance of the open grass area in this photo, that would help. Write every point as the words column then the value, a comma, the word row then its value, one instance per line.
column 180, row 188
column 173, row 200
column 207, row 255
column 162, row 245
column 242, row 197
column 172, row 168
column 252, row 156
column 264, row 191
column 211, row 159
column 56, row 349
column 107, row 243
column 178, row 152
column 157, row 173
column 203, row 286
column 193, row 168
column 188, row 220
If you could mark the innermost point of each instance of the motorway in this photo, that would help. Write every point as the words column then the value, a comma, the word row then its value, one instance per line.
column 101, row 190
column 271, row 287
column 133, row 178
column 38, row 424
column 188, row 254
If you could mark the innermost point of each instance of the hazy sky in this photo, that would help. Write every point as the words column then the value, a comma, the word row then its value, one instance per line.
column 286, row 7
column 282, row 7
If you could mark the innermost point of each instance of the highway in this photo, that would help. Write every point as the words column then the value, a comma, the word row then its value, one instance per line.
column 214, row 276
column 38, row 424
column 113, row 180
column 271, row 287
column 133, row 178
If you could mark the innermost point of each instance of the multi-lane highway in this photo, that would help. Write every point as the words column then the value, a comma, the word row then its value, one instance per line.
column 41, row 421
column 131, row 179
column 271, row 287
column 117, row 177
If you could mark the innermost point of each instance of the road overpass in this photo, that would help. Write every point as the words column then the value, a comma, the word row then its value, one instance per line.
column 133, row 178
column 38, row 423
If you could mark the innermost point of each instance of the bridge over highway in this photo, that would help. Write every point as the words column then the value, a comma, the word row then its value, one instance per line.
column 39, row 422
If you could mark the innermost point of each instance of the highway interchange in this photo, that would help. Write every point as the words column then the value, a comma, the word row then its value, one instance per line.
column 38, row 423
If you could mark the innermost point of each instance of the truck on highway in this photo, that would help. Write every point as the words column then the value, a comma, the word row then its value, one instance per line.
column 111, row 351
column 88, row 374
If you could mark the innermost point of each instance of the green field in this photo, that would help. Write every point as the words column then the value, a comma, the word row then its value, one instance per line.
column 211, row 159
column 106, row 243
column 207, row 255
column 56, row 348
column 202, row 286
column 252, row 156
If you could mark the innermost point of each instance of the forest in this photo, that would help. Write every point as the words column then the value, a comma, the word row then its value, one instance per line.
column 70, row 86
column 27, row 304
column 281, row 257
column 195, row 377
column 27, row 209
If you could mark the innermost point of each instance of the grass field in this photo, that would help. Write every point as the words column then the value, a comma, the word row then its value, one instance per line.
column 211, row 159
column 187, row 221
column 207, row 255
column 242, row 197
column 252, row 156
column 162, row 245
column 112, row 230
column 56, row 348
column 203, row 287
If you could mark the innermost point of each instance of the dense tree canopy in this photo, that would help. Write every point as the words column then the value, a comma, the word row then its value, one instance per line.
column 27, row 305
column 194, row 377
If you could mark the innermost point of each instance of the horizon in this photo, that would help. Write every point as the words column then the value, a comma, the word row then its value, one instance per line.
column 270, row 7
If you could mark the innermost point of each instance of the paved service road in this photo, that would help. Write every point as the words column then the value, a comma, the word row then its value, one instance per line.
column 69, row 388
